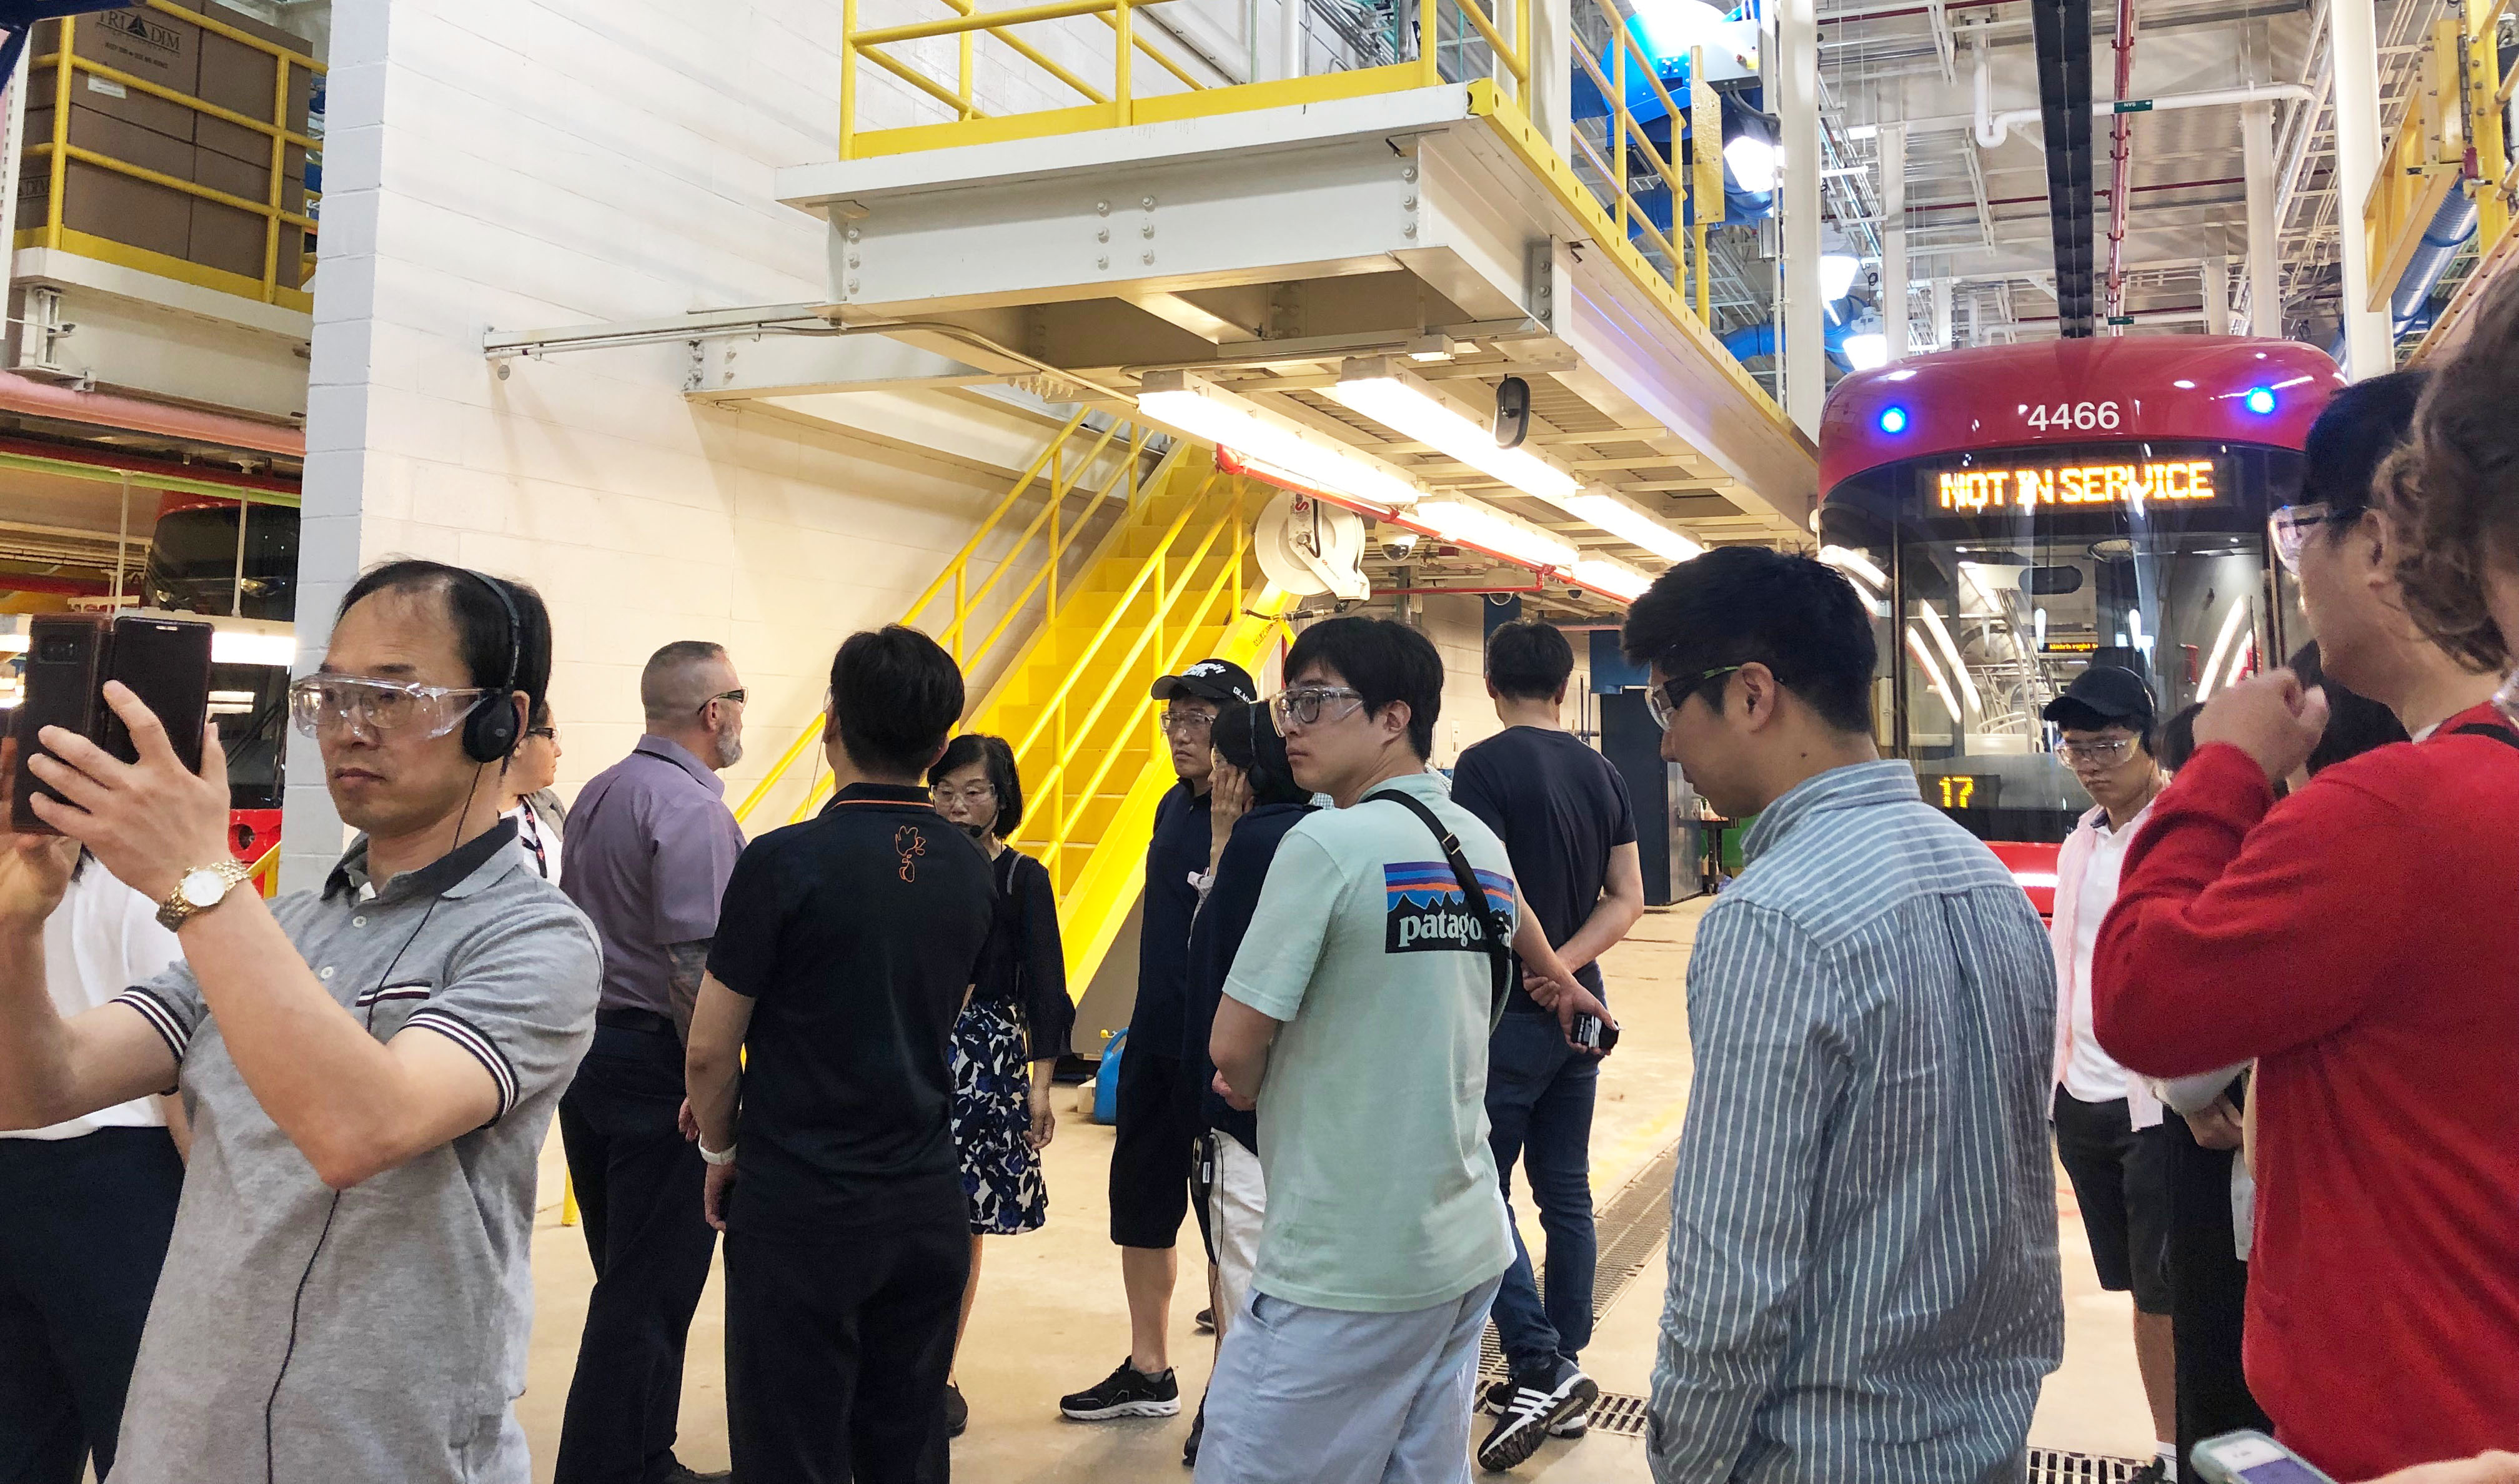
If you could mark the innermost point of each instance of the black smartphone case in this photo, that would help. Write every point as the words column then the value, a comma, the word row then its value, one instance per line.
column 167, row 663
column 65, row 660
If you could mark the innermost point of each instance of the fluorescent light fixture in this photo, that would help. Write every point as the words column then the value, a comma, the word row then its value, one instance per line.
column 1837, row 270
column 1752, row 162
column 13, row 644
column 1627, row 523
column 1432, row 348
column 2221, row 647
column 1951, row 652
column 1614, row 579
column 2038, row 621
column 1377, row 387
column 243, row 646
column 1869, row 353
column 1863, row 131
column 1262, row 437
column 2134, row 630
column 1492, row 531
column 1847, row 559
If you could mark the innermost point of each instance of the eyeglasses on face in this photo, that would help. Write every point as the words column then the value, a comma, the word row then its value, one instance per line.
column 1309, row 705
column 735, row 695
column 2291, row 527
column 2107, row 752
column 547, row 733
column 326, row 702
column 1663, row 701
column 1187, row 723
column 971, row 796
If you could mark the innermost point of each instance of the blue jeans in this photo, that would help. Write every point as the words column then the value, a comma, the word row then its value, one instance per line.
column 1540, row 1110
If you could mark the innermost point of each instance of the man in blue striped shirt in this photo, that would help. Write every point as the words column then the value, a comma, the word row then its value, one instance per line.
column 1863, row 1271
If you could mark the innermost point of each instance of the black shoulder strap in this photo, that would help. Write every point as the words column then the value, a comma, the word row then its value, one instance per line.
column 1497, row 941
column 2501, row 734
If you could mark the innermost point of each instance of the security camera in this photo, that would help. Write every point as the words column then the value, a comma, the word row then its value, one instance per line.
column 1396, row 545
column 1576, row 594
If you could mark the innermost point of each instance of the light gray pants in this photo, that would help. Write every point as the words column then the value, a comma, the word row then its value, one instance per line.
column 1326, row 1396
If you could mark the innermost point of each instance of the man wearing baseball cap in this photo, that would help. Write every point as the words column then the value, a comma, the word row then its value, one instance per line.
column 2108, row 1130
column 1159, row 1119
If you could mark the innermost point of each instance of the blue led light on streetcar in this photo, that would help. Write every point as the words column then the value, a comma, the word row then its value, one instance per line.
column 1893, row 419
column 2260, row 400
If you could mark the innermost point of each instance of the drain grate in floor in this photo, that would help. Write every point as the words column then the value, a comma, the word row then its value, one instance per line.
column 2048, row 1465
column 1632, row 1230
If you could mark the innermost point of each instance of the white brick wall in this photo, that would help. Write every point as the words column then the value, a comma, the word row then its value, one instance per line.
column 519, row 163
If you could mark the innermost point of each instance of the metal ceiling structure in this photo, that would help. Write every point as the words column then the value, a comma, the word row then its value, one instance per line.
column 1974, row 209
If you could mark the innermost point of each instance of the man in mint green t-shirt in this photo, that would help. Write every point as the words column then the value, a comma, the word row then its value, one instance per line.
column 1357, row 1017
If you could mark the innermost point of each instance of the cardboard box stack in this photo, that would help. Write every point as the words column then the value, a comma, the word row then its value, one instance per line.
column 156, row 134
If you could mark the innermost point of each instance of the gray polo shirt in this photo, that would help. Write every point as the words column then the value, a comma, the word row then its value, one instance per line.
column 410, row 1293
column 650, row 844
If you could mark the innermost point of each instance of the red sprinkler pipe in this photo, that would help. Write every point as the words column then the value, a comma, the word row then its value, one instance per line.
column 2121, row 152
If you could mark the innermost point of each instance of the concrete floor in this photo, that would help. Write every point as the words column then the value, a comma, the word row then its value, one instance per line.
column 1051, row 1319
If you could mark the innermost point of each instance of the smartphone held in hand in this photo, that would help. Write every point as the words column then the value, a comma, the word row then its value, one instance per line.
column 1593, row 1033
column 2252, row 1458
column 166, row 662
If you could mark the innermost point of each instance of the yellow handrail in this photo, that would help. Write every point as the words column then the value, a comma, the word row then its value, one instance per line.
column 265, row 871
column 1064, row 817
column 54, row 234
column 953, row 577
column 968, row 21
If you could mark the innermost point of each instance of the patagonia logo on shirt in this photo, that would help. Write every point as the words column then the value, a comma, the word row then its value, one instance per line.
column 1425, row 912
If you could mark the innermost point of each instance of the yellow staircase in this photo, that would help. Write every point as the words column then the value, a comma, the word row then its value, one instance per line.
column 1077, row 642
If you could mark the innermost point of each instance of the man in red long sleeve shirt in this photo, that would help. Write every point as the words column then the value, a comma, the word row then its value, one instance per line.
column 2360, row 941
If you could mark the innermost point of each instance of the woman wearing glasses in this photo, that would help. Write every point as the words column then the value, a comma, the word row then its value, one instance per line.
column 526, row 796
column 1016, row 1024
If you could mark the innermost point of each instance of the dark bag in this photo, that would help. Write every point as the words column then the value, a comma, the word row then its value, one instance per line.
column 1499, row 940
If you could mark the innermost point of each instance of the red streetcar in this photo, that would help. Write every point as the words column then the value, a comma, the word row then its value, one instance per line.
column 2016, row 514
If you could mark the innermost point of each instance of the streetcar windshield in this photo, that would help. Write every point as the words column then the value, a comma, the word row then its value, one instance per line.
column 1993, row 586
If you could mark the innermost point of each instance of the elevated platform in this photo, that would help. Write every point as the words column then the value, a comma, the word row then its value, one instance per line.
column 1257, row 237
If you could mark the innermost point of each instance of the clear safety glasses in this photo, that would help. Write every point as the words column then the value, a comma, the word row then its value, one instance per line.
column 324, row 701
column 2291, row 527
column 1309, row 705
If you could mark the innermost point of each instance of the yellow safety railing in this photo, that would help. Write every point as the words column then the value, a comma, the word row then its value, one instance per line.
column 1471, row 30
column 2495, row 183
column 265, row 872
column 1043, row 546
column 1067, row 716
column 270, row 288
column 1484, row 45
column 2423, row 163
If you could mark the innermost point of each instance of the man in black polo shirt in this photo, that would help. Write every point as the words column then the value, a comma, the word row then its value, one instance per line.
column 843, row 951
column 1160, row 1122
column 1563, row 814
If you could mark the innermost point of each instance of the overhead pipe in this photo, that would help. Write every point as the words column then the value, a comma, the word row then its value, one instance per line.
column 1992, row 128
column 2063, row 46
column 66, row 404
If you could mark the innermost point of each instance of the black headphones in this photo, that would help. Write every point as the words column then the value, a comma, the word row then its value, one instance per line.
column 490, row 728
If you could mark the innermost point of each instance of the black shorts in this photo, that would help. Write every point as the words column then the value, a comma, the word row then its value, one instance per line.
column 1152, row 1158
column 2121, row 1181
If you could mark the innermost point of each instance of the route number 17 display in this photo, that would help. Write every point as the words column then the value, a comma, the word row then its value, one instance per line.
column 2075, row 416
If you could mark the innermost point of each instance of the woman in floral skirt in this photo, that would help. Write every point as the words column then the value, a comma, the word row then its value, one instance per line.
column 1016, row 1027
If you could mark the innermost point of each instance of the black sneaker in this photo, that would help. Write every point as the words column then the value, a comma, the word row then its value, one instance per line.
column 1539, row 1402
column 1197, row 1432
column 958, row 1412
column 1126, row 1392
column 1205, row 1322
column 1497, row 1395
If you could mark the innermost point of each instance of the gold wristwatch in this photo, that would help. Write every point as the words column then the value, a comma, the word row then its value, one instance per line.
column 198, row 889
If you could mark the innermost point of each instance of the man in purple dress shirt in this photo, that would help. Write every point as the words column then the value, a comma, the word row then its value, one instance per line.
column 650, row 844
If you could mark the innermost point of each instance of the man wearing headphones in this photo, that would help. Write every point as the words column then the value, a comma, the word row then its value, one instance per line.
column 370, row 1069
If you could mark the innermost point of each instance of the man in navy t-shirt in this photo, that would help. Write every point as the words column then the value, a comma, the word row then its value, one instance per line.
column 1158, row 1123
column 1563, row 814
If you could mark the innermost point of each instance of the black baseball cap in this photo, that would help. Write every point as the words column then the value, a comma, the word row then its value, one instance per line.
column 2110, row 692
column 1218, row 680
